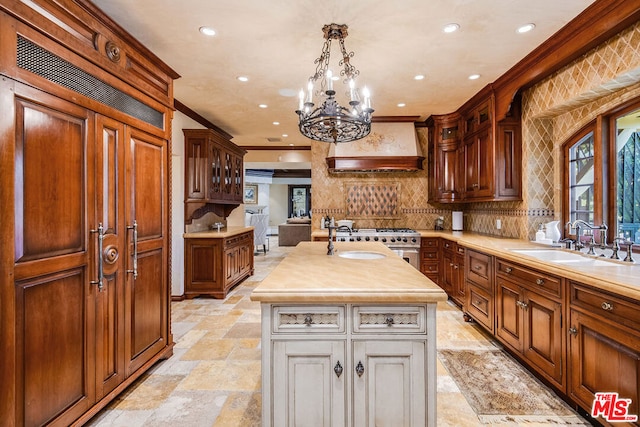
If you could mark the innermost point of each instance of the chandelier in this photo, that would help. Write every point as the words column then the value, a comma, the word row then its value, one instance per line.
column 331, row 122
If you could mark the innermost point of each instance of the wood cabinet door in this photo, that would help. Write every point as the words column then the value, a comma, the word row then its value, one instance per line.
column 197, row 167
column 146, row 204
column 307, row 390
column 603, row 357
column 215, row 172
column 48, row 308
column 509, row 314
column 459, row 284
column 509, row 161
column 389, row 383
column 203, row 266
column 446, row 169
column 543, row 335
column 110, row 202
column 449, row 272
column 479, row 168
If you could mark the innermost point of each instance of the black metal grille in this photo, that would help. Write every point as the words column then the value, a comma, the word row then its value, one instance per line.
column 37, row 60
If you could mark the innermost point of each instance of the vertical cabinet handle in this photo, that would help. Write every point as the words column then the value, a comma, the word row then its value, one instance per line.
column 100, row 279
column 359, row 369
column 338, row 369
column 134, row 227
column 573, row 330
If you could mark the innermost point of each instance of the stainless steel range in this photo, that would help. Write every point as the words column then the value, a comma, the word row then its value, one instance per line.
column 404, row 241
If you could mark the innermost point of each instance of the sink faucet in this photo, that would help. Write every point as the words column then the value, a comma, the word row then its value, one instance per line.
column 616, row 248
column 578, row 224
column 338, row 228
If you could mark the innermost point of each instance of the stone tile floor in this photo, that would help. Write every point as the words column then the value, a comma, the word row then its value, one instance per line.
column 213, row 378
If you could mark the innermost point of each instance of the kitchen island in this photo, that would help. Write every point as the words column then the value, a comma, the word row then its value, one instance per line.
column 348, row 339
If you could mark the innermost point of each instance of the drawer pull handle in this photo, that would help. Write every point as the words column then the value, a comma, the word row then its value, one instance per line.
column 607, row 306
column 450, row 264
column 539, row 281
column 389, row 320
column 573, row 330
column 455, row 266
column 508, row 270
column 477, row 267
column 522, row 304
column 359, row 369
column 308, row 320
column 338, row 369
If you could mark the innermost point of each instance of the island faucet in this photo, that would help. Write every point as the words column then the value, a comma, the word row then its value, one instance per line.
column 338, row 228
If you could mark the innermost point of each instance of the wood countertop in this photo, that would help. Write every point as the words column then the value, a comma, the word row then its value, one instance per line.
column 214, row 234
column 309, row 275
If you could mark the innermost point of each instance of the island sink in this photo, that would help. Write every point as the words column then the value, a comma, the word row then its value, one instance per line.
column 361, row 255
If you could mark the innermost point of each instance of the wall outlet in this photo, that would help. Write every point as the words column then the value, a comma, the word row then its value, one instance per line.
column 498, row 224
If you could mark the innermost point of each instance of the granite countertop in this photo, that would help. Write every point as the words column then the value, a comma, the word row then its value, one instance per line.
column 616, row 276
column 214, row 234
column 309, row 275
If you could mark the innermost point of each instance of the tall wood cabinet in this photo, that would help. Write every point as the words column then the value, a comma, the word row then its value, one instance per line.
column 84, row 190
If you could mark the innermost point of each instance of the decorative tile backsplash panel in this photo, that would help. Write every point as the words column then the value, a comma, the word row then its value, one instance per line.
column 553, row 110
column 370, row 200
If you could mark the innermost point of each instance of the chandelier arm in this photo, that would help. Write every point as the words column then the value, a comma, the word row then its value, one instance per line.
column 349, row 71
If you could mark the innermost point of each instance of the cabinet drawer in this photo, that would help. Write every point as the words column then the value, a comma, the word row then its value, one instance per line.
column 480, row 306
column 529, row 277
column 604, row 304
column 429, row 242
column 429, row 256
column 478, row 269
column 389, row 320
column 449, row 245
column 308, row 319
column 429, row 267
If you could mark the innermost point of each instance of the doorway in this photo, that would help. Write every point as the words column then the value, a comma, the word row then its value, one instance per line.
column 299, row 200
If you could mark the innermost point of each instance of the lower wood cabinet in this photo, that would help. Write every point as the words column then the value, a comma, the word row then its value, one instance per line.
column 604, row 347
column 339, row 365
column 429, row 258
column 529, row 318
column 214, row 265
column 479, row 298
column 452, row 277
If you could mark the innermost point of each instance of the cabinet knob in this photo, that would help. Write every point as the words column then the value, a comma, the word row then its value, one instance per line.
column 508, row 270
column 477, row 267
column 573, row 330
column 338, row 369
column 607, row 306
column 308, row 320
column 359, row 369
column 389, row 320
column 450, row 264
column 539, row 281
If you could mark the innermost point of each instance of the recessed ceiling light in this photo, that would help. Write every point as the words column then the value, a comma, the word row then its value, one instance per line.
column 243, row 78
column 207, row 31
column 284, row 135
column 450, row 28
column 474, row 76
column 276, row 123
column 526, row 28
column 290, row 145
column 402, row 104
column 419, row 77
column 262, row 105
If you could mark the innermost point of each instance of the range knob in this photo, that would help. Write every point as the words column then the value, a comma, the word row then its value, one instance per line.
column 342, row 239
column 413, row 240
column 351, row 239
column 404, row 239
column 359, row 238
column 375, row 239
column 393, row 240
column 366, row 238
column 384, row 239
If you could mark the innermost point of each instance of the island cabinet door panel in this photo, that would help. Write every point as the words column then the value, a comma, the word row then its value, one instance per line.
column 52, row 263
column 603, row 358
column 146, row 295
column 110, row 170
column 389, row 383
column 309, row 384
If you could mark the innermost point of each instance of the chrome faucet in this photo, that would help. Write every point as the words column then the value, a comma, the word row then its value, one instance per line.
column 578, row 224
column 338, row 228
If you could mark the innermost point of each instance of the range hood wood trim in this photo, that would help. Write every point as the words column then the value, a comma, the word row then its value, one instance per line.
column 375, row 163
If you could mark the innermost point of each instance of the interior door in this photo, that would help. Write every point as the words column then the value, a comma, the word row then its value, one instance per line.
column 52, row 213
column 146, row 204
column 111, row 229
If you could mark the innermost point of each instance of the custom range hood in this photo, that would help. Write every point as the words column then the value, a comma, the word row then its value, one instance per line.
column 390, row 147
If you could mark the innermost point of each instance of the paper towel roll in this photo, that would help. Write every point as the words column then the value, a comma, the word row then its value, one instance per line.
column 456, row 221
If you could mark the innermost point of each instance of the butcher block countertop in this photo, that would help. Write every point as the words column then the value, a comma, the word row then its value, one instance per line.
column 214, row 234
column 309, row 275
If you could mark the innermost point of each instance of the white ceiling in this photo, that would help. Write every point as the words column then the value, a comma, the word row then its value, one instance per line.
column 275, row 43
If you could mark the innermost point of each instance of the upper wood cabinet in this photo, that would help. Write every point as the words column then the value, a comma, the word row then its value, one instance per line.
column 473, row 157
column 214, row 170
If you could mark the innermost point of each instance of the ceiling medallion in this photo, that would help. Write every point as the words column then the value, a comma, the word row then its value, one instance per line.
column 332, row 122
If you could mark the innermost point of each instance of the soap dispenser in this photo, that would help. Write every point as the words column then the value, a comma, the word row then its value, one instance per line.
column 540, row 235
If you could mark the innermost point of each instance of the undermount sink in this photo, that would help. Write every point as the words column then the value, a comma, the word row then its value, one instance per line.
column 361, row 255
column 563, row 257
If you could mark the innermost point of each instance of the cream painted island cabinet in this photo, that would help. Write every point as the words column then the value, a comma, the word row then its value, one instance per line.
column 348, row 339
